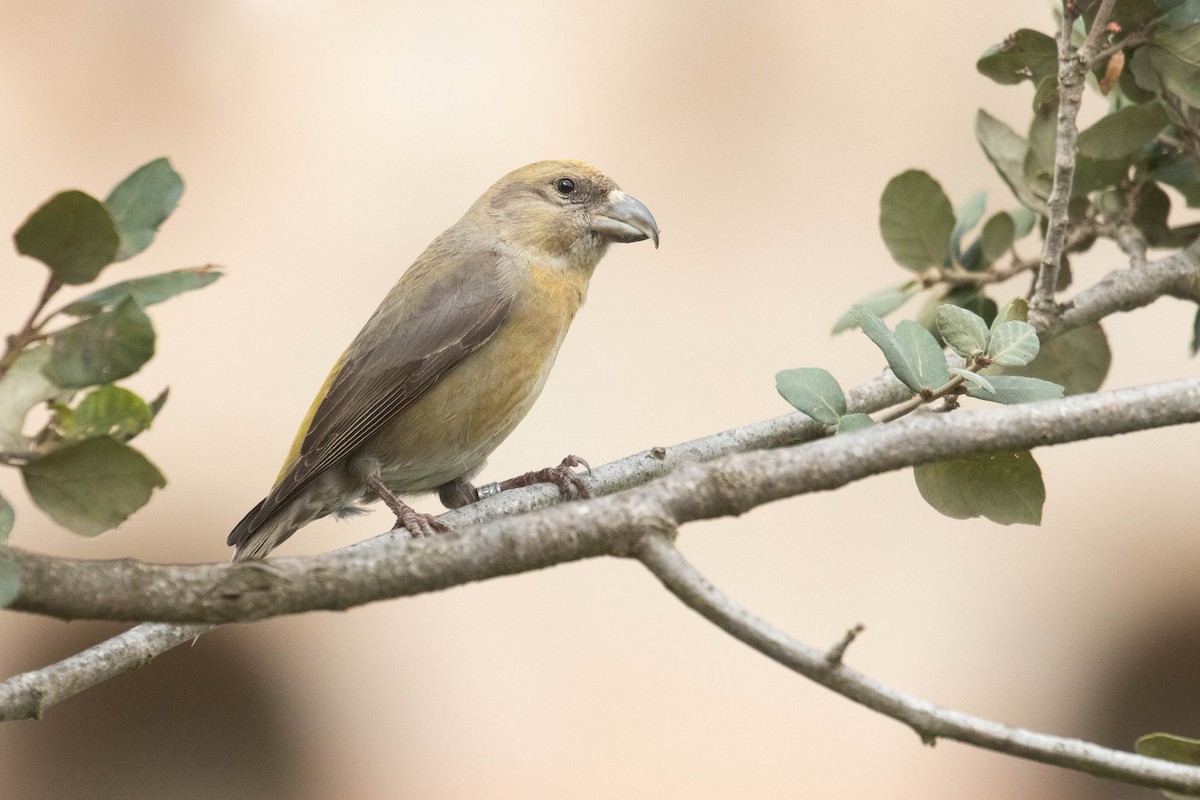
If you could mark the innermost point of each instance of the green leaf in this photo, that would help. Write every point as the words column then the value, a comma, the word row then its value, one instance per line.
column 142, row 202
column 22, row 388
column 1016, row 309
column 965, row 218
column 1126, row 14
column 1013, row 344
column 1195, row 346
column 1151, row 209
column 1181, row 172
column 915, row 220
column 1145, row 74
column 92, row 486
column 145, row 291
column 963, row 330
column 7, row 518
column 108, row 411
column 924, row 353
column 1046, row 93
column 1183, row 15
column 879, row 333
column 850, row 423
column 1006, row 149
column 1077, row 360
column 1013, row 389
column 1092, row 175
column 997, row 238
column 1170, row 747
column 156, row 405
column 812, row 391
column 1183, row 236
column 72, row 234
column 881, row 303
column 973, row 299
column 1123, row 133
column 1024, row 55
column 977, row 382
column 10, row 581
column 1024, row 219
column 102, row 349
column 1176, row 57
column 1003, row 487
column 1038, row 169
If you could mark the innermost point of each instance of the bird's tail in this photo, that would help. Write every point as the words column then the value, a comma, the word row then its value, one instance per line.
column 258, row 540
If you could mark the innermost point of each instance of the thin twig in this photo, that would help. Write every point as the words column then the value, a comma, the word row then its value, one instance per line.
column 838, row 651
column 930, row 722
column 1072, row 66
column 30, row 330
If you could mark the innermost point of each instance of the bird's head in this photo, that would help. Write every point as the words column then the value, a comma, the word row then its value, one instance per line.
column 563, row 209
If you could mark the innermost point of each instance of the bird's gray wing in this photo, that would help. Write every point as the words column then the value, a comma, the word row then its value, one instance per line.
column 392, row 363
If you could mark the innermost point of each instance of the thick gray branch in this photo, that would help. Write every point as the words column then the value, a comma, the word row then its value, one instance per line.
column 395, row 566
column 929, row 721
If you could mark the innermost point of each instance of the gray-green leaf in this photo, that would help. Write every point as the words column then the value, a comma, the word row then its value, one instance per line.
column 1122, row 133
column 145, row 291
column 92, row 486
column 72, row 234
column 999, row 233
column 965, row 218
column 977, row 382
column 883, row 337
column 141, row 202
column 1077, row 360
column 1016, row 309
column 1004, row 487
column 965, row 331
column 812, row 391
column 915, row 219
column 883, row 302
column 102, row 349
column 22, row 388
column 854, row 422
column 10, row 581
column 1013, row 344
column 1006, row 149
column 1170, row 747
column 1176, row 57
column 924, row 353
column 1013, row 389
column 1024, row 55
column 108, row 411
column 7, row 518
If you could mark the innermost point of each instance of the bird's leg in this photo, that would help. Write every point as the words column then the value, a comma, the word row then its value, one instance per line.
column 457, row 493
column 570, row 483
column 418, row 524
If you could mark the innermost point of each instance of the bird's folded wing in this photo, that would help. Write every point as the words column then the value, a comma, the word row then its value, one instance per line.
column 396, row 358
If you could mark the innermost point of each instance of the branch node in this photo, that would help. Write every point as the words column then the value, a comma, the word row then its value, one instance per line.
column 836, row 653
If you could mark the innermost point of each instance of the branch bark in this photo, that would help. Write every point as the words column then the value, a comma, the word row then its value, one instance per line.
column 929, row 721
column 394, row 566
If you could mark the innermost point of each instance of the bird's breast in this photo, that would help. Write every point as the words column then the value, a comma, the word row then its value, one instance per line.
column 453, row 427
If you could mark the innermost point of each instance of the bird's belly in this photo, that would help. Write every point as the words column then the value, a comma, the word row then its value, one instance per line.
column 450, row 431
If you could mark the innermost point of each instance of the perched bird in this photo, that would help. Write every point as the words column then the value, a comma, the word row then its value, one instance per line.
column 453, row 358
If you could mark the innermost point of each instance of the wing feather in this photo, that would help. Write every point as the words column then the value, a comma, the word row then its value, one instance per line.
column 394, row 364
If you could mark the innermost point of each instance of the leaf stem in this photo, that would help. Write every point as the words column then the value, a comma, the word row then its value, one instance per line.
column 30, row 331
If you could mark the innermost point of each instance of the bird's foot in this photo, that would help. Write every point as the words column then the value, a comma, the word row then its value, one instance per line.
column 569, row 482
column 418, row 524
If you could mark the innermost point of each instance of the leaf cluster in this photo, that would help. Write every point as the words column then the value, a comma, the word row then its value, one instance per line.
column 75, row 459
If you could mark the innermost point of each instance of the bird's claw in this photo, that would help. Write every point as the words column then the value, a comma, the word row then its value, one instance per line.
column 570, row 483
column 420, row 525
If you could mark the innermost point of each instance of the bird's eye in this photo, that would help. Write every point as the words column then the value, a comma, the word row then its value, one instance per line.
column 564, row 186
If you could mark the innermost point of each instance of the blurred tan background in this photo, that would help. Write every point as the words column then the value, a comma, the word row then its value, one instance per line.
column 323, row 145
